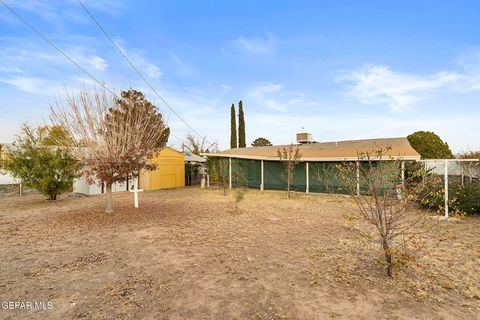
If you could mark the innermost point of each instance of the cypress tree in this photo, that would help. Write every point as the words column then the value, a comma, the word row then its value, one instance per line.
column 233, row 128
column 241, row 126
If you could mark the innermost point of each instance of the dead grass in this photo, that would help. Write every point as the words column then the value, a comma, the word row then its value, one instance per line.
column 187, row 254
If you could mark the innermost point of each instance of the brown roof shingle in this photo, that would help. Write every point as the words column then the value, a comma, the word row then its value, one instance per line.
column 329, row 151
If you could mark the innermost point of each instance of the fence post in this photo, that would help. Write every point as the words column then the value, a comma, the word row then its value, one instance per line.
column 307, row 189
column 261, row 178
column 20, row 189
column 446, row 189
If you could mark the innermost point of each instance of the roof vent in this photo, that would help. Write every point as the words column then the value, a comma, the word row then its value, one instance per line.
column 304, row 137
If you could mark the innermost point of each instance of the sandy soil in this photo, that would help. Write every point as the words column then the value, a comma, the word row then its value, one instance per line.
column 187, row 254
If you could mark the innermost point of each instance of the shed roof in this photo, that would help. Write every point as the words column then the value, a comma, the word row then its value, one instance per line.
column 328, row 151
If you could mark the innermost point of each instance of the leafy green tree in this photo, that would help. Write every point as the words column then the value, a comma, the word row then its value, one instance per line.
column 233, row 128
column 261, row 142
column 40, row 164
column 127, row 110
column 241, row 126
column 429, row 145
column 56, row 135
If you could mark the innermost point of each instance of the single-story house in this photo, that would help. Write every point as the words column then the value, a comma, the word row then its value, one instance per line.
column 261, row 167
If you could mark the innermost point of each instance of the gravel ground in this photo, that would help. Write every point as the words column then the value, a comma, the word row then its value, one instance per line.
column 189, row 254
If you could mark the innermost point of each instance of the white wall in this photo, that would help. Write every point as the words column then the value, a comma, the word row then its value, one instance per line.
column 6, row 178
column 454, row 168
column 80, row 185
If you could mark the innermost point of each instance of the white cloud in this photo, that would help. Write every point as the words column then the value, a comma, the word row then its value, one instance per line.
column 261, row 95
column 255, row 46
column 140, row 61
column 89, row 60
column 50, row 88
column 149, row 68
column 16, row 60
column 30, row 84
column 225, row 88
column 272, row 96
column 380, row 84
column 295, row 101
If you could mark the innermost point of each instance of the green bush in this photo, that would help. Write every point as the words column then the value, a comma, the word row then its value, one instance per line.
column 468, row 197
column 461, row 199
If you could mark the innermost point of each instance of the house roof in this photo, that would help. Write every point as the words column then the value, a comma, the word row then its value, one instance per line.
column 194, row 158
column 328, row 151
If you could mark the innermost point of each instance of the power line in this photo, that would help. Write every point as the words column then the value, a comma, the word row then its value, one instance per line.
column 66, row 55
column 120, row 51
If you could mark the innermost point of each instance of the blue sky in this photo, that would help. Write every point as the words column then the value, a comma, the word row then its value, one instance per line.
column 339, row 69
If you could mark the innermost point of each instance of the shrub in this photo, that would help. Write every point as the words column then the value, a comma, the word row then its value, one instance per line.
column 461, row 199
column 41, row 166
column 468, row 197
column 239, row 195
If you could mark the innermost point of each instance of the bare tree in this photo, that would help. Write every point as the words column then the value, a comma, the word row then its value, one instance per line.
column 112, row 137
column 195, row 146
column 390, row 205
column 470, row 169
column 290, row 157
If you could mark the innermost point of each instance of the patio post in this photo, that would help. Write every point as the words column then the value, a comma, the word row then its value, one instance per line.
column 262, row 185
column 307, row 189
column 230, row 173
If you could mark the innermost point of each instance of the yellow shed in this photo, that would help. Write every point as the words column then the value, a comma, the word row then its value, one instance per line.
column 170, row 172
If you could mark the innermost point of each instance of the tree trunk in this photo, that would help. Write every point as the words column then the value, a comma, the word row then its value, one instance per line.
column 388, row 258
column 108, row 209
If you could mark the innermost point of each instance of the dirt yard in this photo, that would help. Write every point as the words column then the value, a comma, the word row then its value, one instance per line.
column 187, row 254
